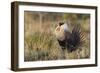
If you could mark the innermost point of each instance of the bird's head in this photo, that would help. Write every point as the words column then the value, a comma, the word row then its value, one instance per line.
column 64, row 26
column 60, row 30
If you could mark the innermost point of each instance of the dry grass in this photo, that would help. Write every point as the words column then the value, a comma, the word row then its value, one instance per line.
column 41, row 44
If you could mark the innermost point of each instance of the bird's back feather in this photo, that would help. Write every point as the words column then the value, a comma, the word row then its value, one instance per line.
column 75, row 38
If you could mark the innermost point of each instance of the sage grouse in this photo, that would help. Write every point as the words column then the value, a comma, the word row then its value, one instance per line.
column 69, row 40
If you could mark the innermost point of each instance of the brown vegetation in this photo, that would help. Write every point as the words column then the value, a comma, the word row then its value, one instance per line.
column 40, row 42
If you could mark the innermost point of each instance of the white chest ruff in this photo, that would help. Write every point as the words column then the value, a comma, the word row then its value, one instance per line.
column 60, row 34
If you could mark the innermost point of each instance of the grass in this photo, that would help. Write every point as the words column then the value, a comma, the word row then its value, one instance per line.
column 41, row 44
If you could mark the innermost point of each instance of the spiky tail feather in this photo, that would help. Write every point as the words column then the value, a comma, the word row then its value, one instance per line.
column 76, row 38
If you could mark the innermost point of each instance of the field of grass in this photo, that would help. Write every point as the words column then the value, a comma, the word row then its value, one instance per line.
column 40, row 41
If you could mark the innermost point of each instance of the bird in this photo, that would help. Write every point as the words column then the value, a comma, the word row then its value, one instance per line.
column 69, row 39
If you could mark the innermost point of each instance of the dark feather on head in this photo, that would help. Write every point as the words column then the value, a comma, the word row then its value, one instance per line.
column 61, row 23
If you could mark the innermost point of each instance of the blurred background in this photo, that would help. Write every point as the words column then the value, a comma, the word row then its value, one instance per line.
column 40, row 42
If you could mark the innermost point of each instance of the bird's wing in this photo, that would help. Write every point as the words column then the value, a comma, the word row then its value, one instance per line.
column 75, row 38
